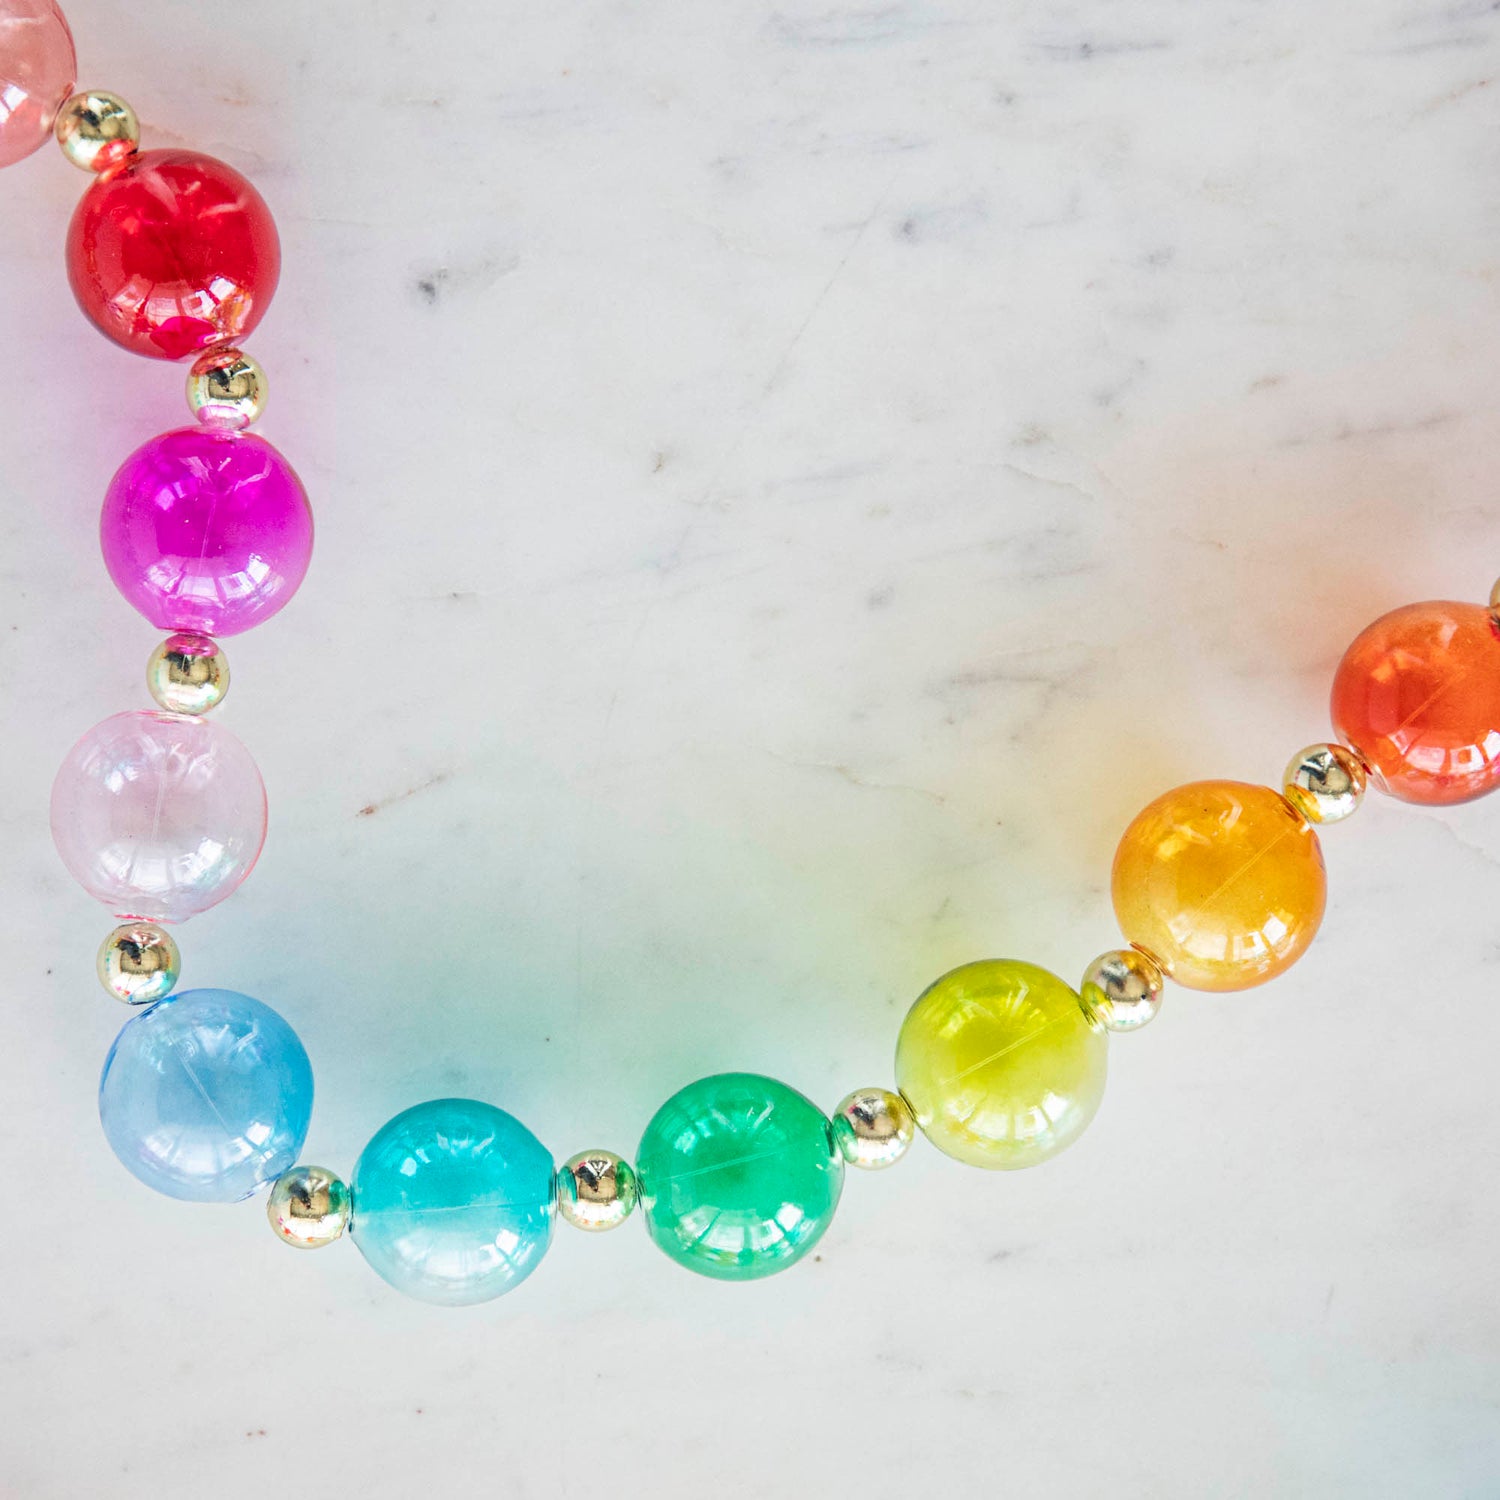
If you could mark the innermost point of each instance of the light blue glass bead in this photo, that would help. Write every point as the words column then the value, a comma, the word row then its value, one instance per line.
column 453, row 1201
column 206, row 1096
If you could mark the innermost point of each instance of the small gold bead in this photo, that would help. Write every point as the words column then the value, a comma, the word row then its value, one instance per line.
column 139, row 963
column 97, row 131
column 873, row 1128
column 1325, row 783
column 596, row 1190
column 1122, row 989
column 188, row 674
column 308, row 1207
column 227, row 388
column 1495, row 597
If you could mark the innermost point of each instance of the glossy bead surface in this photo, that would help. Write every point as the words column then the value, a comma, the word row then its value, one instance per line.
column 97, row 131
column 1122, row 989
column 1221, row 882
column 739, row 1176
column 188, row 674
column 227, row 388
column 171, row 253
column 1001, row 1065
column 206, row 1096
column 596, row 1190
column 453, row 1202
column 1325, row 783
column 139, row 963
column 158, row 816
column 37, row 71
column 206, row 530
column 1418, row 697
column 873, row 1128
column 308, row 1207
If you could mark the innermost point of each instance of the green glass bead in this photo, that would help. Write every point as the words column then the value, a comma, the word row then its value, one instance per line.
column 1001, row 1064
column 739, row 1176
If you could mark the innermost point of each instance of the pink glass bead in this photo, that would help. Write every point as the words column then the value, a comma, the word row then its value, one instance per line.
column 37, row 69
column 206, row 530
column 157, row 815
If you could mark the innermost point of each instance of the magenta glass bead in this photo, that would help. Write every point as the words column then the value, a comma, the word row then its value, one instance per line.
column 158, row 815
column 37, row 69
column 206, row 530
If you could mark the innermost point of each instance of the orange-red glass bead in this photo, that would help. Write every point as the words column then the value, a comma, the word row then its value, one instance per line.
column 1418, row 697
column 1221, row 882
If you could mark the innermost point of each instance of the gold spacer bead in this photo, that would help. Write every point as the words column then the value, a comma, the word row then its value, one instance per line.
column 227, row 388
column 188, row 674
column 97, row 131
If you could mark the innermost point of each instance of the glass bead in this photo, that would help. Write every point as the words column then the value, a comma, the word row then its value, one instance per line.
column 158, row 816
column 139, row 963
column 173, row 252
column 1417, row 697
column 453, row 1202
column 227, row 388
column 1221, row 883
column 37, row 72
column 1001, row 1065
column 206, row 530
column 206, row 1096
column 97, row 131
column 188, row 674
column 739, row 1176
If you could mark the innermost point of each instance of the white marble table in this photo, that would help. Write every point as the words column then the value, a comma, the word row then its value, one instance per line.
column 792, row 481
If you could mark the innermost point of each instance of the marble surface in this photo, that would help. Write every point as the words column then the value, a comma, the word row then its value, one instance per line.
column 792, row 480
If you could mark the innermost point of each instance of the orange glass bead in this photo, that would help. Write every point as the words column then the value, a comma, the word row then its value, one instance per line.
column 1417, row 696
column 1221, row 883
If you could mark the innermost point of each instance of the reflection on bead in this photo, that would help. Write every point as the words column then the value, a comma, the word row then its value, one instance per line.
column 97, row 131
column 1122, row 989
column 739, row 1176
column 206, row 1096
column 1221, row 882
column 139, row 963
column 453, row 1202
column 873, row 1128
column 37, row 72
column 226, row 388
column 158, row 816
column 1325, row 783
column 595, row 1190
column 188, row 674
column 308, row 1207
column 1417, row 697
column 1001, row 1064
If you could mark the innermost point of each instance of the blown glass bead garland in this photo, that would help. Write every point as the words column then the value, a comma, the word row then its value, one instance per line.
column 160, row 813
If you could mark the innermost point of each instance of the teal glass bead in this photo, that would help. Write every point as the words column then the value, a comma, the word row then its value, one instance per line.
column 739, row 1176
column 452, row 1202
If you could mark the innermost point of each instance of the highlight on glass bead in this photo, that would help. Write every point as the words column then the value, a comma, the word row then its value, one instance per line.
column 97, row 131
column 206, row 1096
column 739, row 1176
column 227, row 388
column 206, row 530
column 172, row 252
column 1122, row 989
column 139, row 963
column 873, row 1128
column 1221, row 883
column 453, row 1202
column 308, row 1207
column 188, row 674
column 158, row 816
column 37, row 71
column 596, row 1190
column 1001, row 1064
column 1417, row 697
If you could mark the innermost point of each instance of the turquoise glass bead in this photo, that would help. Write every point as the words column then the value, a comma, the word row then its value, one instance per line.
column 206, row 1096
column 453, row 1201
column 739, row 1176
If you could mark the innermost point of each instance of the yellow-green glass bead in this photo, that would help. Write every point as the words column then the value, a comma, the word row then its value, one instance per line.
column 1001, row 1064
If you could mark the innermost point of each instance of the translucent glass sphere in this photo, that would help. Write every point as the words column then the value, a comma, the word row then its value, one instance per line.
column 1001, row 1065
column 206, row 530
column 453, row 1202
column 158, row 816
column 206, row 1096
column 739, row 1176
column 37, row 69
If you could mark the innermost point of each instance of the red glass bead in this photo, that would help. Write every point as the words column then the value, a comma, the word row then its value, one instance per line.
column 173, row 252
column 1418, row 697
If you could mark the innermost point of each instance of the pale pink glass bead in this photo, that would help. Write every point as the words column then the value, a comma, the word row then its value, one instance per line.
column 157, row 815
column 37, row 70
